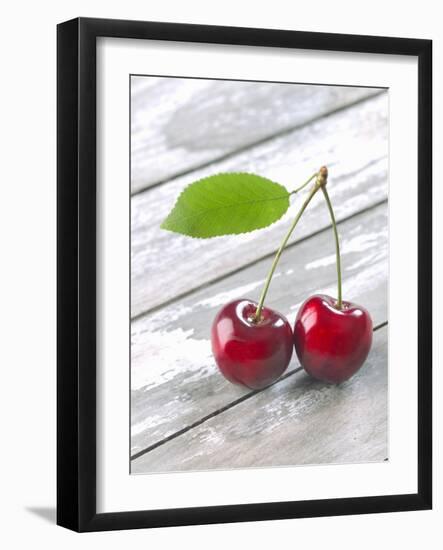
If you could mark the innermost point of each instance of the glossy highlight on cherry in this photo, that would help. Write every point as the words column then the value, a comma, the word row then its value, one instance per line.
column 332, row 343
column 249, row 352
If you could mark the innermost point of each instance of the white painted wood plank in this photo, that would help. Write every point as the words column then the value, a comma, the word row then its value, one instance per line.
column 175, row 381
column 297, row 421
column 353, row 143
column 178, row 124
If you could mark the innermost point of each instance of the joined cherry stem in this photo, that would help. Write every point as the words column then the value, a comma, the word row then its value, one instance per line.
column 320, row 183
column 314, row 190
column 337, row 246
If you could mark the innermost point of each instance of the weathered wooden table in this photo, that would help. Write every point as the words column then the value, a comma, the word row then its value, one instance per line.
column 185, row 415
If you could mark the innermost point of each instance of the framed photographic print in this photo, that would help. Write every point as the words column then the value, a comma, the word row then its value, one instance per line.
column 244, row 274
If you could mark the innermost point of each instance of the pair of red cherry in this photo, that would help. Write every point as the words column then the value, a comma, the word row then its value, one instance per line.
column 331, row 343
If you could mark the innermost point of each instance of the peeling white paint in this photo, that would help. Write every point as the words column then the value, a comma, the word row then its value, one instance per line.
column 321, row 262
column 147, row 423
column 357, row 244
column 226, row 296
column 165, row 355
column 159, row 319
column 362, row 242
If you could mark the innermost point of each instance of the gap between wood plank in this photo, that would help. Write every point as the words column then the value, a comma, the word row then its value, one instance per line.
column 223, row 409
column 256, row 261
column 253, row 144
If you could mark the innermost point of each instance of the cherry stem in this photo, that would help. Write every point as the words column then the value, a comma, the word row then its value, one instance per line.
column 337, row 246
column 314, row 190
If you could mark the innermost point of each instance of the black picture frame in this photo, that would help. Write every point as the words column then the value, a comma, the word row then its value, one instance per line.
column 76, row 279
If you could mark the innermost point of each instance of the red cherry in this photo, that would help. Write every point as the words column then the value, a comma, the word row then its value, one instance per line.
column 332, row 344
column 247, row 352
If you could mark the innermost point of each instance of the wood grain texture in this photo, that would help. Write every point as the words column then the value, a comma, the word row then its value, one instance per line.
column 174, row 378
column 180, row 124
column 296, row 421
column 352, row 142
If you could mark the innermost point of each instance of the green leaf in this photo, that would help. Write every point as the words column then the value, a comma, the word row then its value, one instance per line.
column 227, row 204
